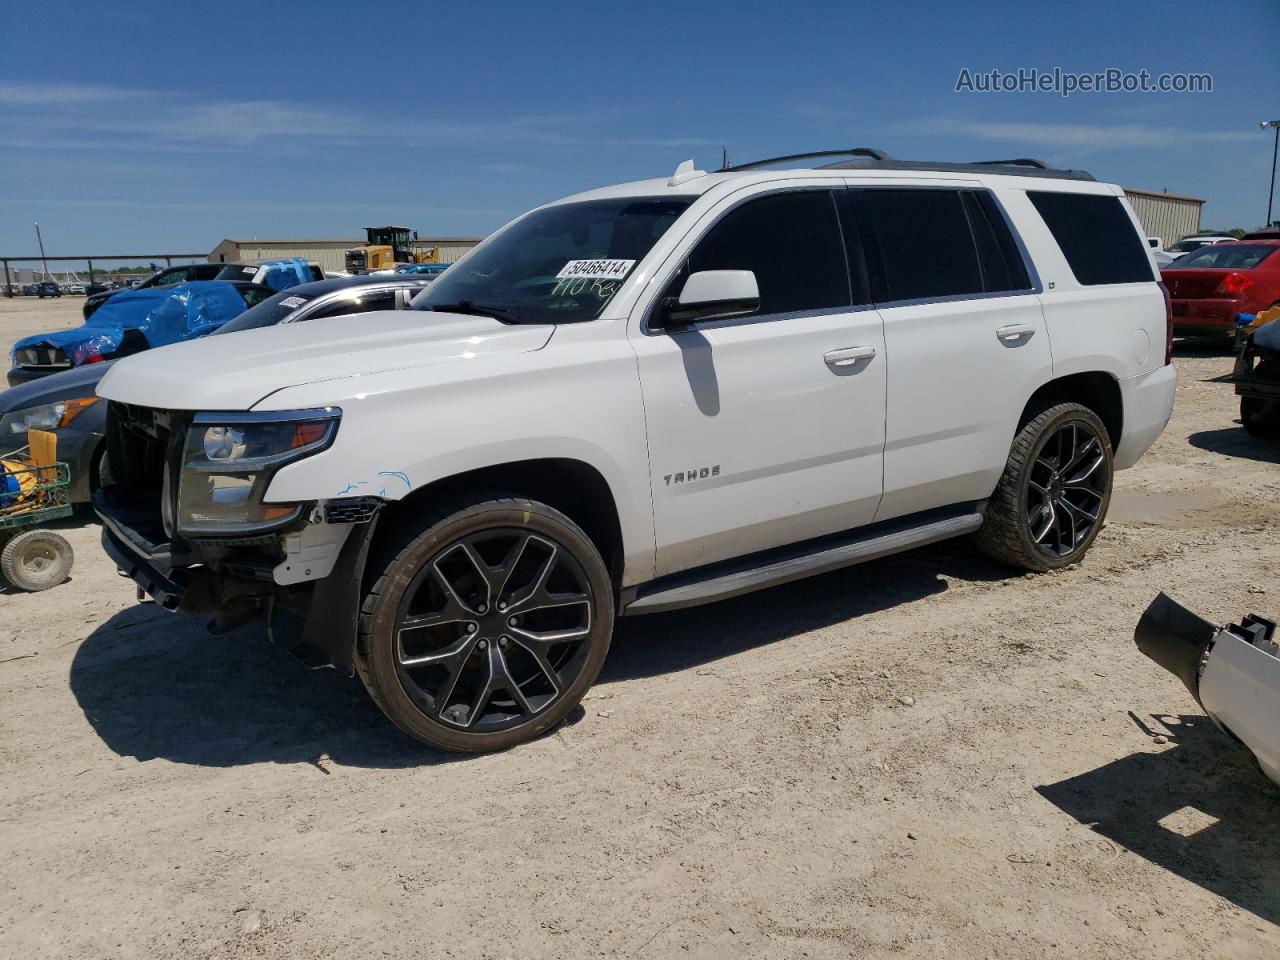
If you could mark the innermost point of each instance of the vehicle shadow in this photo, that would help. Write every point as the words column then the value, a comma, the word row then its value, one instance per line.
column 1202, row 810
column 1237, row 442
column 157, row 685
column 153, row 684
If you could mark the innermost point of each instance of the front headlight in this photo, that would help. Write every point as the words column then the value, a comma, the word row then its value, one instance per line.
column 46, row 416
column 229, row 460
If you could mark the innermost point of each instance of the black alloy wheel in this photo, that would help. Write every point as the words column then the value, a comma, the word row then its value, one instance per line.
column 488, row 625
column 493, row 629
column 1068, row 486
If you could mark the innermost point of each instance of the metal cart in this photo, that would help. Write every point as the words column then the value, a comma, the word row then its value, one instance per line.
column 31, row 494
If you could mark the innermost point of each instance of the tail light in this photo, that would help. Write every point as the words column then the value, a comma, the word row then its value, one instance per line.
column 1168, row 324
column 1234, row 283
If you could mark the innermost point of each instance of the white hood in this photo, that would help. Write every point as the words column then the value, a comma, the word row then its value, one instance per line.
column 235, row 371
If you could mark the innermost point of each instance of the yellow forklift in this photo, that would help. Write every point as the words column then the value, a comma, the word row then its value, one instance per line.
column 387, row 247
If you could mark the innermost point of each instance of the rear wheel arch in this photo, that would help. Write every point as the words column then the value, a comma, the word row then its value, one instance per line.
column 1097, row 390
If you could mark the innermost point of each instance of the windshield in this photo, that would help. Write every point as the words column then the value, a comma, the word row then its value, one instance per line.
column 561, row 264
column 265, row 314
column 1235, row 256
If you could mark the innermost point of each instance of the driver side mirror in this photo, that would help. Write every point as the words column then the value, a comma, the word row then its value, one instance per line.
column 711, row 294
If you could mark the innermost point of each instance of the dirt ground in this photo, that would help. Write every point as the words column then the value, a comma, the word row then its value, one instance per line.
column 926, row 756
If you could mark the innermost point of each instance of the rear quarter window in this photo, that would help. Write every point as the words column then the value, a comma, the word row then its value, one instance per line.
column 1096, row 236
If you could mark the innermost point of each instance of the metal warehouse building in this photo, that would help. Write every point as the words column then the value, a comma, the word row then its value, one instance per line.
column 1166, row 215
column 330, row 253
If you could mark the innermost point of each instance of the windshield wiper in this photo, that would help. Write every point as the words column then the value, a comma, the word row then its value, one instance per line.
column 475, row 309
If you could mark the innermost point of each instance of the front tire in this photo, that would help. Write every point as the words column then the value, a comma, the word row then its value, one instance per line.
column 1052, row 499
column 486, row 626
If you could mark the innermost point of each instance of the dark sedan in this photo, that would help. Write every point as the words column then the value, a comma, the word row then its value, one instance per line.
column 67, row 403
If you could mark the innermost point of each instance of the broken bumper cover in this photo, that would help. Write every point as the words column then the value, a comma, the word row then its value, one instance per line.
column 139, row 568
column 1232, row 671
column 159, row 572
column 185, row 580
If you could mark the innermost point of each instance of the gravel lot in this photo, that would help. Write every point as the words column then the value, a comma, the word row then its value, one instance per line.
column 926, row 756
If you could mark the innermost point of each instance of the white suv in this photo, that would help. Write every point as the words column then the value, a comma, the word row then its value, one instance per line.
column 641, row 398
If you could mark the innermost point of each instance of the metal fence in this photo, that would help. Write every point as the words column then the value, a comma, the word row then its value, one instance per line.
column 168, row 259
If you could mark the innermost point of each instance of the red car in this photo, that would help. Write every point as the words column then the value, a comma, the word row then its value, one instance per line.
column 1210, row 286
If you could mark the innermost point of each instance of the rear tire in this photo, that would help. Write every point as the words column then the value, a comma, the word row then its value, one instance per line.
column 1053, row 497
column 487, row 623
column 36, row 560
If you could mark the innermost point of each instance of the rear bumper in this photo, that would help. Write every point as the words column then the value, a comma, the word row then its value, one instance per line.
column 1199, row 317
column 1148, row 405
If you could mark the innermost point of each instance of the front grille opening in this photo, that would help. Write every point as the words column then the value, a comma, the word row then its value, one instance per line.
column 143, row 451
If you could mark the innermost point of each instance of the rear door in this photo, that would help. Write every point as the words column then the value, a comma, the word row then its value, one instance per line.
column 765, row 429
column 965, row 337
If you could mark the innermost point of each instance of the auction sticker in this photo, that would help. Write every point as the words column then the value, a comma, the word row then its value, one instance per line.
column 595, row 269
column 292, row 302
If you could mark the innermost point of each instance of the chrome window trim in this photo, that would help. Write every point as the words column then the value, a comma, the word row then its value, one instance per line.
column 954, row 298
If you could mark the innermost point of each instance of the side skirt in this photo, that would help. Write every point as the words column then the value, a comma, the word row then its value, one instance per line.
column 769, row 568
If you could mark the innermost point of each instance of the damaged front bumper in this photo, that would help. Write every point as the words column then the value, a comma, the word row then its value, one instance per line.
column 314, row 572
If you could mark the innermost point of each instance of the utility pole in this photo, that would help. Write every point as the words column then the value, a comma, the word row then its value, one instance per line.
column 1275, row 146
column 44, row 260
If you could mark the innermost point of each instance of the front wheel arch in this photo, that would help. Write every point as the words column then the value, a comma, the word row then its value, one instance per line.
column 575, row 488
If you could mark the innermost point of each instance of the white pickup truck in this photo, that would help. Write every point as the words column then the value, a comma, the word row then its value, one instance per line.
column 645, row 397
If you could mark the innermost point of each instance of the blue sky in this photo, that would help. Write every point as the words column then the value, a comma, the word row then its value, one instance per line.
column 150, row 127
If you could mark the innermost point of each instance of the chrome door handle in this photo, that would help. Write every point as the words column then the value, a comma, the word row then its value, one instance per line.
column 1016, row 331
column 848, row 356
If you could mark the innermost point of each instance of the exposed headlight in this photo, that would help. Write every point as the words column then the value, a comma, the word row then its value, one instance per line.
column 46, row 416
column 229, row 460
column 225, row 443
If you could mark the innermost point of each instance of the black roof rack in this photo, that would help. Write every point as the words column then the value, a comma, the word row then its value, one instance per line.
column 871, row 152
column 869, row 158
column 1019, row 162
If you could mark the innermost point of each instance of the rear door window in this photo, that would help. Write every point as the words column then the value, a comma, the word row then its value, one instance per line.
column 791, row 241
column 923, row 242
column 1003, row 269
column 1096, row 236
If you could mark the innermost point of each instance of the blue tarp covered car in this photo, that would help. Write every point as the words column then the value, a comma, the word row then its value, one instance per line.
column 136, row 320
column 133, row 321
